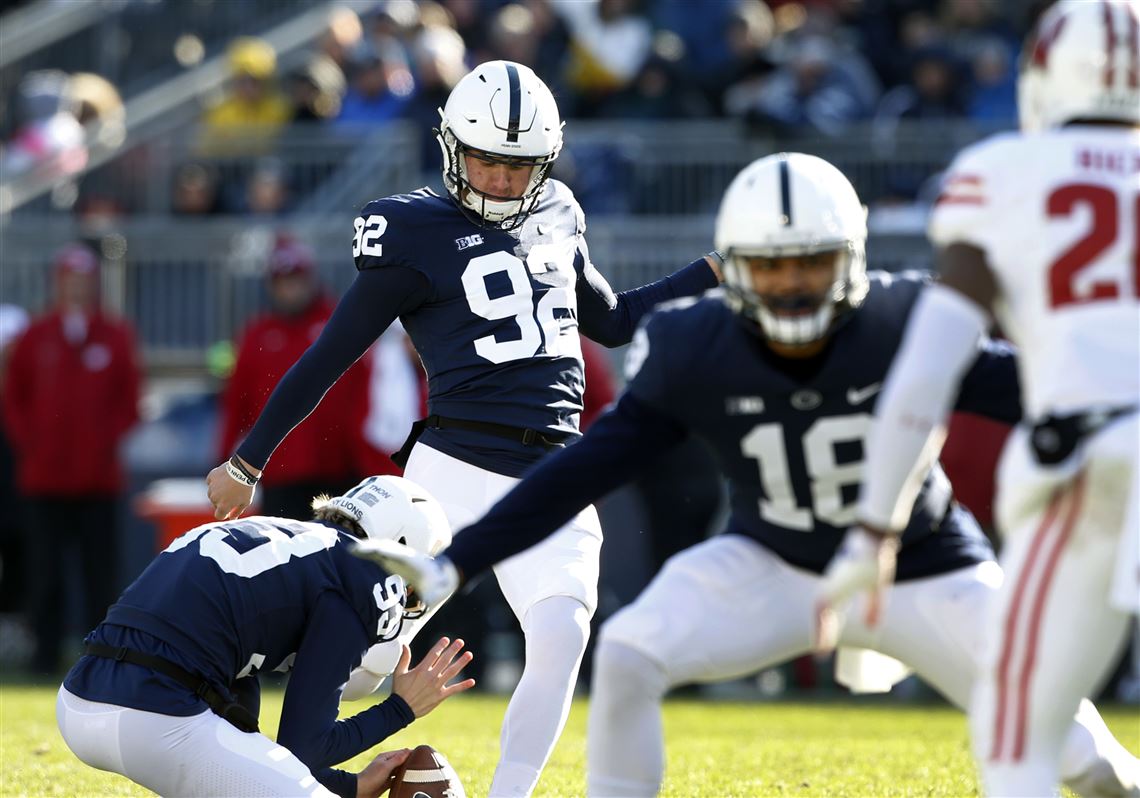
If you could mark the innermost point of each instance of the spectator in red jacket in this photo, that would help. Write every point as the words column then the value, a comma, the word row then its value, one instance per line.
column 70, row 397
column 325, row 453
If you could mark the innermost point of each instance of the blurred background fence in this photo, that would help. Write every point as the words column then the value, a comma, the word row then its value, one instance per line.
column 650, row 190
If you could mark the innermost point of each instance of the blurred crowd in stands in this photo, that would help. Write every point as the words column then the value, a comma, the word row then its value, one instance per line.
column 788, row 66
column 819, row 64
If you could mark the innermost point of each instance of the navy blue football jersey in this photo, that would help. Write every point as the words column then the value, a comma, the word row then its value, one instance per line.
column 498, row 331
column 495, row 316
column 230, row 599
column 788, row 435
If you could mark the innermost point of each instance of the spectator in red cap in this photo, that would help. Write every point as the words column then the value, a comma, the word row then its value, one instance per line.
column 327, row 452
column 70, row 397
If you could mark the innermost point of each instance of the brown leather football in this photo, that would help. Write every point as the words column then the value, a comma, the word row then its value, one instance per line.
column 426, row 773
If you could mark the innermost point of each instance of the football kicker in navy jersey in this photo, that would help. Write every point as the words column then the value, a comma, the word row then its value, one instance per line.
column 497, row 330
column 228, row 601
column 494, row 315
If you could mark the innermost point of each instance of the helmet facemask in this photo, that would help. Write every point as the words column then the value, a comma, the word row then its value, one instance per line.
column 799, row 319
column 504, row 212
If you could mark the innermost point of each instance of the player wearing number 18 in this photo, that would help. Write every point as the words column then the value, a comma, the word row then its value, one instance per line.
column 167, row 692
column 493, row 283
column 780, row 378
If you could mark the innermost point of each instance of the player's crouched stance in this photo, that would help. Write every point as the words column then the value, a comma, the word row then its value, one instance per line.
column 167, row 691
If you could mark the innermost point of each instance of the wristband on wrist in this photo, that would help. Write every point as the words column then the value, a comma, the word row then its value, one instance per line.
column 239, row 473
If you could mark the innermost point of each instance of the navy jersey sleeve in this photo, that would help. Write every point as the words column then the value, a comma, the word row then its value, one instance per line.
column 385, row 233
column 332, row 646
column 375, row 298
column 991, row 388
column 648, row 364
column 618, row 445
column 611, row 319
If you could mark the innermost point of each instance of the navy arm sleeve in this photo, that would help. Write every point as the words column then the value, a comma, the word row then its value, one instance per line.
column 373, row 301
column 990, row 388
column 611, row 319
column 618, row 445
column 333, row 645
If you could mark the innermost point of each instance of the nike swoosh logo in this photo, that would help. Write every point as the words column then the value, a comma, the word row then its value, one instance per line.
column 858, row 396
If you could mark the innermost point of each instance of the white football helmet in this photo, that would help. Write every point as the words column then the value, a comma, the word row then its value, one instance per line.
column 394, row 508
column 500, row 111
column 790, row 205
column 1081, row 63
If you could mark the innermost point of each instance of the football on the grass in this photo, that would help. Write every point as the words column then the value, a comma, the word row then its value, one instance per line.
column 426, row 773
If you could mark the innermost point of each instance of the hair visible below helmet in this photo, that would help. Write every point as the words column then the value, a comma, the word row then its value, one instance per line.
column 1082, row 62
column 394, row 508
column 501, row 112
column 790, row 205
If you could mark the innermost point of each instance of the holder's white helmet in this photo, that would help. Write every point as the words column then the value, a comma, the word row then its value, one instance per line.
column 394, row 508
column 500, row 111
column 1083, row 62
column 791, row 205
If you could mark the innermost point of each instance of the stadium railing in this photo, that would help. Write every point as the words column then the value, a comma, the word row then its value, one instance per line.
column 615, row 167
column 188, row 284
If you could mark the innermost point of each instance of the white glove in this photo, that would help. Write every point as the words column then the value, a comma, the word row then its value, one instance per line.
column 865, row 561
column 433, row 579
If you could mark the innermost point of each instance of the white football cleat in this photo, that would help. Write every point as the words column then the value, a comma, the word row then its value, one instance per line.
column 433, row 579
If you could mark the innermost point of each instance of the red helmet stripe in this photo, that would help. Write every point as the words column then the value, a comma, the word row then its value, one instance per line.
column 1131, row 14
column 1109, row 44
column 1045, row 39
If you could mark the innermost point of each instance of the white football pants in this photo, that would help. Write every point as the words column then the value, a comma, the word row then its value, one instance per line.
column 552, row 589
column 729, row 607
column 1072, row 564
column 199, row 755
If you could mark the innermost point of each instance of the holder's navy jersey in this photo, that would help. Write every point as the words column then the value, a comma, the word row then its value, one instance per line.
column 229, row 599
column 787, row 434
column 494, row 315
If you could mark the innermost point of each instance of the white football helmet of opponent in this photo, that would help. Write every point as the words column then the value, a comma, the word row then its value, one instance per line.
column 1081, row 64
column 501, row 112
column 792, row 205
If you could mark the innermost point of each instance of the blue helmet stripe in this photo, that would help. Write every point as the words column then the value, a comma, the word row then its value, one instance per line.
column 516, row 103
column 785, row 192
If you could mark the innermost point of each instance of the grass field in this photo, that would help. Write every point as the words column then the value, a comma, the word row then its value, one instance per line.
column 714, row 749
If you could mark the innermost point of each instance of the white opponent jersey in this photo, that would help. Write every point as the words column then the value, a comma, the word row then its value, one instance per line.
column 1056, row 214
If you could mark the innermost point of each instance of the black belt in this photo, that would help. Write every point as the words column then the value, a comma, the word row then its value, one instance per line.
column 527, row 437
column 230, row 711
column 1055, row 438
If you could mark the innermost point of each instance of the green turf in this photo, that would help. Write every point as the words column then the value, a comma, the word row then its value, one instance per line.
column 714, row 749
